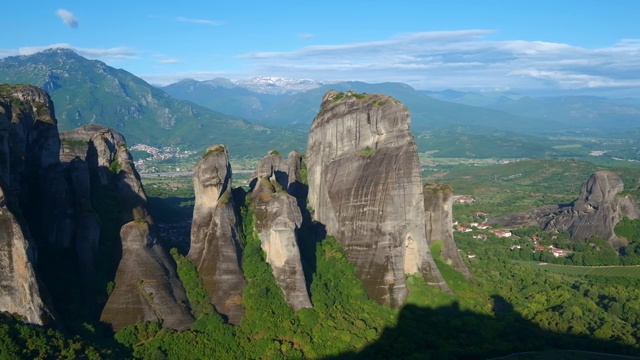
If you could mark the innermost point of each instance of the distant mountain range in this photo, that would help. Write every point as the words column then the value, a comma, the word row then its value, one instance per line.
column 89, row 91
column 255, row 115
column 479, row 111
column 570, row 112
column 301, row 107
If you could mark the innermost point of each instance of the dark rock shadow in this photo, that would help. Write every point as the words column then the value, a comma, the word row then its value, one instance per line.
column 451, row 333
column 310, row 232
column 173, row 217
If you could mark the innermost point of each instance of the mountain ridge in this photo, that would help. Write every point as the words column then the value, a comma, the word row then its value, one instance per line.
column 89, row 91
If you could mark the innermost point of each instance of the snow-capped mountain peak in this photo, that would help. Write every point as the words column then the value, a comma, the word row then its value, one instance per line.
column 278, row 85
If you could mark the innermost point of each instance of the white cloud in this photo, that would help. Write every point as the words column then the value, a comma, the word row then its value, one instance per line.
column 67, row 17
column 199, row 21
column 169, row 61
column 305, row 36
column 459, row 59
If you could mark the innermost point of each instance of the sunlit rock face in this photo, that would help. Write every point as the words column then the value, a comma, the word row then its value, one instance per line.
column 365, row 187
column 147, row 287
column 277, row 221
column 596, row 212
column 216, row 250
column 438, row 204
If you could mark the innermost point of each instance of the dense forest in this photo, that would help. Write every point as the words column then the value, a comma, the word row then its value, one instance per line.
column 513, row 304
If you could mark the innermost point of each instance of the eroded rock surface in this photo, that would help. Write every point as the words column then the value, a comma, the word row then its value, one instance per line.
column 20, row 292
column 94, row 155
column 216, row 250
column 146, row 284
column 596, row 212
column 278, row 219
column 438, row 203
column 28, row 168
column 365, row 186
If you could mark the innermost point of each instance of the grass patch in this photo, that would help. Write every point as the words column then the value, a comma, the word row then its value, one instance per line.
column 73, row 142
column 632, row 272
column 467, row 294
column 367, row 151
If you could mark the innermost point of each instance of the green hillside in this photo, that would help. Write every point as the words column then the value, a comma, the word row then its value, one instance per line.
column 88, row 91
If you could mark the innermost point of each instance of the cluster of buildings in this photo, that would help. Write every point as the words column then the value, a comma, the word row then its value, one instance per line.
column 158, row 154
column 557, row 252
column 500, row 233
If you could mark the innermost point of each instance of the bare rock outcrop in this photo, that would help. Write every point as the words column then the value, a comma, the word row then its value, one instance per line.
column 20, row 292
column 108, row 159
column 216, row 250
column 278, row 219
column 365, row 186
column 596, row 212
column 438, row 203
column 147, row 286
column 94, row 155
column 28, row 137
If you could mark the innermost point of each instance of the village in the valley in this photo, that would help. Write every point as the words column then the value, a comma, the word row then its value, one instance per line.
column 482, row 232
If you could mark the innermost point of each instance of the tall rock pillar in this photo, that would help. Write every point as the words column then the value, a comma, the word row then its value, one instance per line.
column 216, row 250
column 365, row 186
column 438, row 204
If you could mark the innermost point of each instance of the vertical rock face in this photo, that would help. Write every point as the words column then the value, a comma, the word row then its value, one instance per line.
column 278, row 219
column 365, row 186
column 216, row 250
column 97, row 152
column 106, row 153
column 596, row 212
column 28, row 149
column 296, row 170
column 33, row 173
column 147, row 287
column 438, row 203
column 19, row 288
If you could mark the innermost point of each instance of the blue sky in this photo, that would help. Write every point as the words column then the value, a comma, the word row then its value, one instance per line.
column 481, row 44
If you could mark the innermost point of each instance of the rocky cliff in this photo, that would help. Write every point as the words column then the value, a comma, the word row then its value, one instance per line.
column 365, row 186
column 438, row 203
column 51, row 232
column 596, row 212
column 20, row 292
column 278, row 219
column 96, row 159
column 28, row 136
column 146, row 285
column 106, row 154
column 216, row 250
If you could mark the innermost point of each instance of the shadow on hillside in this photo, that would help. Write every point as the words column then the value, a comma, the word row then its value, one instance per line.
column 451, row 333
